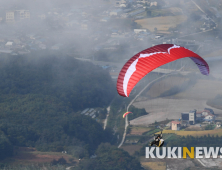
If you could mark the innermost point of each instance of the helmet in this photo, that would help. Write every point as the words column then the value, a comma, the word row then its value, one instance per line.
column 158, row 136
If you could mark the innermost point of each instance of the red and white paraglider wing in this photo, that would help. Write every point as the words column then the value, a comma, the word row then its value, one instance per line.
column 146, row 61
column 124, row 115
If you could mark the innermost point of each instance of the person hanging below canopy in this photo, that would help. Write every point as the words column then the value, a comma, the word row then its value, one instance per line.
column 158, row 140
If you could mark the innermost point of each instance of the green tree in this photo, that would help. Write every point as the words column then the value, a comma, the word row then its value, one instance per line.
column 110, row 158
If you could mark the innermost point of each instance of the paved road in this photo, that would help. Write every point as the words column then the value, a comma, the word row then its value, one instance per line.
column 105, row 122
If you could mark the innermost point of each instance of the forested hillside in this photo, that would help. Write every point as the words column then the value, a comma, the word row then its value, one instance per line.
column 110, row 158
column 79, row 84
column 39, row 102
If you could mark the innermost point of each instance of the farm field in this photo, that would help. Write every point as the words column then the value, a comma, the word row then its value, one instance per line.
column 161, row 23
column 213, row 54
column 166, row 84
column 28, row 155
column 136, row 130
column 154, row 165
column 195, row 133
column 163, row 164
column 192, row 164
column 171, row 107
column 203, row 89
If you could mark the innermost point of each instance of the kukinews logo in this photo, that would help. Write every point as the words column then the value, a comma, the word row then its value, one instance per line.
column 183, row 152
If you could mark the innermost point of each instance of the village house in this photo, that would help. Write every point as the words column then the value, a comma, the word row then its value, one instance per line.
column 139, row 30
column 205, row 115
column 23, row 14
column 9, row 43
column 11, row 16
column 113, row 13
column 153, row 3
column 208, row 109
column 120, row 3
column 175, row 125
column 199, row 116
column 209, row 118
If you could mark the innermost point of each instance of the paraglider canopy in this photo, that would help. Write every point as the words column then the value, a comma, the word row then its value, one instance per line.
column 124, row 115
column 147, row 60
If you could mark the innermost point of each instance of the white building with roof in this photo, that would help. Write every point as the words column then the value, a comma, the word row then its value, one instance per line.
column 23, row 14
column 153, row 3
column 209, row 118
column 175, row 125
column 9, row 43
column 10, row 16
column 139, row 30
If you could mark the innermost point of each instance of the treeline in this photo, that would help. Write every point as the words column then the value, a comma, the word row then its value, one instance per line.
column 106, row 157
column 78, row 84
column 110, row 158
column 39, row 102
column 136, row 112
column 51, row 130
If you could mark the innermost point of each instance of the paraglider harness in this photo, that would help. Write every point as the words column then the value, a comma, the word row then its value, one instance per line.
column 158, row 141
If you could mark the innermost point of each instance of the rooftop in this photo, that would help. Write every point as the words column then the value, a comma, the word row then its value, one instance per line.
column 175, row 122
